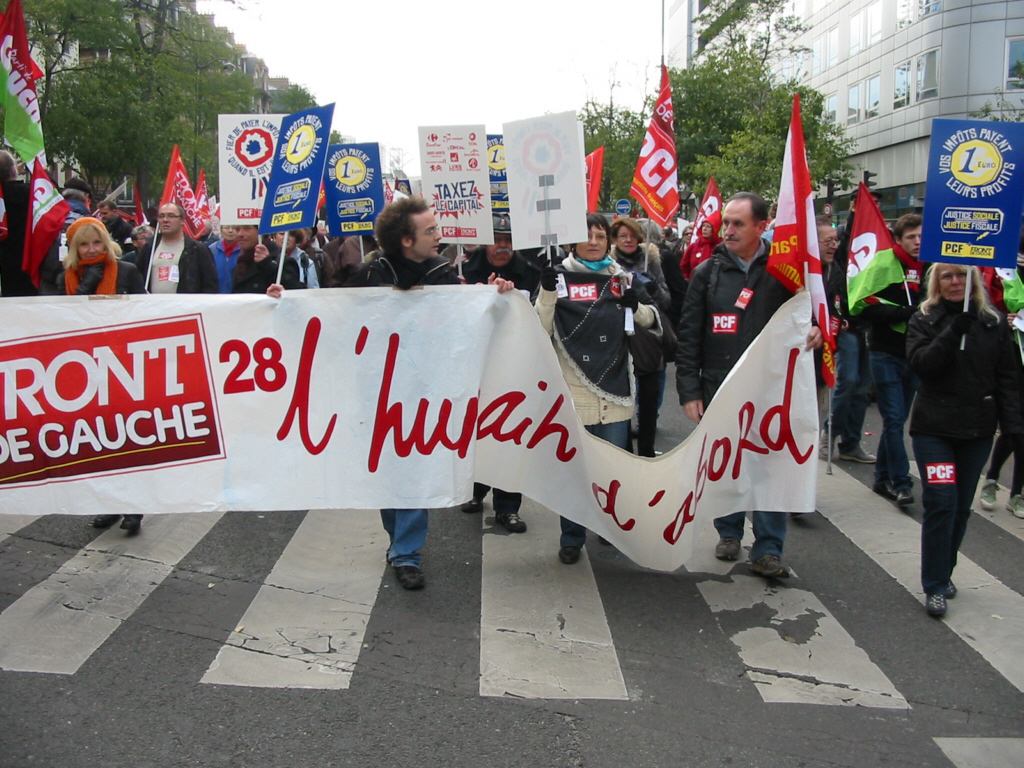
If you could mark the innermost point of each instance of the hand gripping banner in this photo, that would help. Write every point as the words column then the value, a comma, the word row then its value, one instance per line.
column 353, row 399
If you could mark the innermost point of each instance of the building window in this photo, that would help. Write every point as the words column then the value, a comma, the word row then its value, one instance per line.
column 831, row 107
column 904, row 13
column 872, row 96
column 832, row 47
column 928, row 75
column 901, row 81
column 930, row 6
column 856, row 26
column 874, row 22
column 818, row 56
column 1015, row 64
column 853, row 105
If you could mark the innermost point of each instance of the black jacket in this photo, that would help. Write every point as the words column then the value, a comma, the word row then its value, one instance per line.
column 120, row 231
column 128, row 280
column 197, row 272
column 402, row 273
column 525, row 274
column 14, row 281
column 250, row 276
column 706, row 353
column 963, row 393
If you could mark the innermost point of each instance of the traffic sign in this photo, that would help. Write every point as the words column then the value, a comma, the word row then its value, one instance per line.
column 622, row 207
column 827, row 209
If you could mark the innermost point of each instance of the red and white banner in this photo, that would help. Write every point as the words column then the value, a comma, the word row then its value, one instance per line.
column 595, row 170
column 178, row 189
column 244, row 162
column 457, row 181
column 712, row 203
column 794, row 259
column 341, row 400
column 655, row 181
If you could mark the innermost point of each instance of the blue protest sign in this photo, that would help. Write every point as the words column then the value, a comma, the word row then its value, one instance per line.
column 623, row 207
column 354, row 188
column 496, row 165
column 298, row 171
column 974, row 194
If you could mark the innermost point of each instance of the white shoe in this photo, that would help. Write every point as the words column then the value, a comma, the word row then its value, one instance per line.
column 988, row 494
column 1016, row 506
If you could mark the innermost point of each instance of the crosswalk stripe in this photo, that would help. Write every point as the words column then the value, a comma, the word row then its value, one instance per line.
column 983, row 753
column 60, row 622
column 11, row 524
column 987, row 615
column 548, row 638
column 305, row 627
column 823, row 666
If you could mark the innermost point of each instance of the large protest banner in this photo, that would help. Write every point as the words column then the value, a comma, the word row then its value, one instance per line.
column 354, row 187
column 245, row 157
column 974, row 193
column 457, row 181
column 367, row 399
column 547, row 180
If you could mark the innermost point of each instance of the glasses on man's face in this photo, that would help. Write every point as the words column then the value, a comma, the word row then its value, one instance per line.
column 169, row 216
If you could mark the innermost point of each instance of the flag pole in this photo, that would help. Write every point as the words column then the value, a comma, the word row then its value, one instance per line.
column 282, row 257
column 967, row 304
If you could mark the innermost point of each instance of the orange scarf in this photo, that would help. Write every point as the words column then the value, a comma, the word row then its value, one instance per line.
column 107, row 286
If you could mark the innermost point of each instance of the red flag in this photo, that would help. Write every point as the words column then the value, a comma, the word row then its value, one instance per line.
column 389, row 193
column 712, row 203
column 595, row 169
column 37, row 73
column 655, row 184
column 202, row 196
column 322, row 197
column 794, row 257
column 140, row 215
column 178, row 189
column 49, row 210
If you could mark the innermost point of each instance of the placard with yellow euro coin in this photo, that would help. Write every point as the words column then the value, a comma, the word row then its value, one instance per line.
column 354, row 188
column 974, row 194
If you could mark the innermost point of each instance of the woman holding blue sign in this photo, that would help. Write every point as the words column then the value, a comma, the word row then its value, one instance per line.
column 970, row 379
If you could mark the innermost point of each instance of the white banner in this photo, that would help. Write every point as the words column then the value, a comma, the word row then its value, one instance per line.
column 245, row 157
column 547, row 180
column 457, row 181
column 371, row 398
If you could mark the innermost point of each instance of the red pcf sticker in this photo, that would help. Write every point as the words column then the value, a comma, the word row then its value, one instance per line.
column 583, row 292
column 744, row 298
column 940, row 474
column 724, row 323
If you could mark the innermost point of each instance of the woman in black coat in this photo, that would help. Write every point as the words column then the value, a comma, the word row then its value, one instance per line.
column 969, row 373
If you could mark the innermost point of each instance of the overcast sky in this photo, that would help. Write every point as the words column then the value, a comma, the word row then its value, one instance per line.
column 393, row 65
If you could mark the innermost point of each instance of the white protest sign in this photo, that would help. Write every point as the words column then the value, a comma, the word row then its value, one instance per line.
column 245, row 156
column 547, row 180
column 457, row 181
column 372, row 398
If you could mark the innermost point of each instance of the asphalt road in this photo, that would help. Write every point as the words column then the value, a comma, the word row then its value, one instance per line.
column 166, row 660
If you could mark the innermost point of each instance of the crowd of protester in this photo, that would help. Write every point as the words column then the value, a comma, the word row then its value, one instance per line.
column 949, row 366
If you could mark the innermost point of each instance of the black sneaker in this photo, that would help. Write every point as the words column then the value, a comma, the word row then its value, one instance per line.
column 511, row 522
column 131, row 523
column 410, row 576
column 728, row 549
column 904, row 498
column 935, row 605
column 950, row 591
column 569, row 555
column 104, row 521
column 473, row 505
column 884, row 489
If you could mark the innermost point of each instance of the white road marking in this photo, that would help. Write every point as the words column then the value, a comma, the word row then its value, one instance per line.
column 547, row 638
column 983, row 753
column 11, row 524
column 59, row 623
column 305, row 627
column 987, row 615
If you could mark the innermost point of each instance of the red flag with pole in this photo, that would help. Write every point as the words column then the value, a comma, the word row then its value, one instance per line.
column 49, row 210
column 202, row 196
column 655, row 181
column 794, row 259
column 178, row 189
column 140, row 215
column 595, row 170
column 712, row 203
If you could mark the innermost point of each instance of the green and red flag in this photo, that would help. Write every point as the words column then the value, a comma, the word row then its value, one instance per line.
column 22, row 127
column 873, row 266
column 48, row 210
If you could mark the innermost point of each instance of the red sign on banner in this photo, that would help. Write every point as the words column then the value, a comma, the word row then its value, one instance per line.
column 106, row 400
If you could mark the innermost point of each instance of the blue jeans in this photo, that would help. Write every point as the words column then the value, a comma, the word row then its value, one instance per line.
column 946, row 501
column 505, row 502
column 616, row 433
column 895, row 385
column 850, row 399
column 408, row 531
column 769, row 531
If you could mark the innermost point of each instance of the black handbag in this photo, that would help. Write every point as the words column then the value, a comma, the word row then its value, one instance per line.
column 648, row 349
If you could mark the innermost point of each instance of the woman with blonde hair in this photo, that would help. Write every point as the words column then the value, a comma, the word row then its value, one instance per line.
column 93, row 266
column 970, row 377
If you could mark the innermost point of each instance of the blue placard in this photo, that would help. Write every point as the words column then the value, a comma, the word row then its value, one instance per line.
column 298, row 171
column 496, row 165
column 975, row 192
column 623, row 207
column 354, row 188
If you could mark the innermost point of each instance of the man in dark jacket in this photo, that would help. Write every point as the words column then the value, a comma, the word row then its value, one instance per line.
column 887, row 314
column 119, row 229
column 730, row 299
column 182, row 265
column 13, row 280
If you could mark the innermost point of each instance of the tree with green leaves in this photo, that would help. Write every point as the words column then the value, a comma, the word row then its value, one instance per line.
column 621, row 132
column 294, row 98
